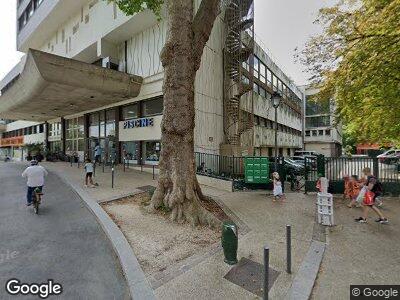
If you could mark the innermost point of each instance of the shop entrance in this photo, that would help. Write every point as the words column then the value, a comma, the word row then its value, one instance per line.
column 102, row 139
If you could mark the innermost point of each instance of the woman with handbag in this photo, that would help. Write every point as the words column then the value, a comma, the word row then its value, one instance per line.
column 369, row 202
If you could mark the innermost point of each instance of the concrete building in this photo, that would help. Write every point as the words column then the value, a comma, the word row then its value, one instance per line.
column 92, row 75
column 321, row 133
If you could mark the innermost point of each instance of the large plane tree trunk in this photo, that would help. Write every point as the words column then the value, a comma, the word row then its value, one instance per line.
column 177, row 186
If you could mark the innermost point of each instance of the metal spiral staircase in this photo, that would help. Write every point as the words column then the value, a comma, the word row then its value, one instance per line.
column 239, row 48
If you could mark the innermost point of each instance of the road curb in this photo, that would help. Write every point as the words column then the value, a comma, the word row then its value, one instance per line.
column 139, row 287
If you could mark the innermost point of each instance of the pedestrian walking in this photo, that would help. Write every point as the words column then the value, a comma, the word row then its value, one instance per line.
column 372, row 190
column 353, row 191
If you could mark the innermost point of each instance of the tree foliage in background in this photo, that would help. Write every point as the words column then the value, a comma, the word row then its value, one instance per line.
column 356, row 60
column 188, row 32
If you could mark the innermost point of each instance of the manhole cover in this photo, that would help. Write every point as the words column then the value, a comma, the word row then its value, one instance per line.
column 147, row 188
column 248, row 274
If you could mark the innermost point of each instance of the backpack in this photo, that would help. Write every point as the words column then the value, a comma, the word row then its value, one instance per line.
column 378, row 187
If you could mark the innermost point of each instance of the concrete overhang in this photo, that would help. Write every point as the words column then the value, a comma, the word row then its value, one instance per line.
column 52, row 86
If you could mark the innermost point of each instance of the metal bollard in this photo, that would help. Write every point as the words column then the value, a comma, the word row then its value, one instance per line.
column 153, row 173
column 94, row 170
column 266, row 272
column 102, row 163
column 141, row 165
column 112, row 177
column 70, row 160
column 78, row 164
column 289, row 249
column 124, row 164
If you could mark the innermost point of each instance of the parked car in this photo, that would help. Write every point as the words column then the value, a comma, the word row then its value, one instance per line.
column 388, row 156
column 310, row 160
column 290, row 166
column 305, row 153
column 392, row 159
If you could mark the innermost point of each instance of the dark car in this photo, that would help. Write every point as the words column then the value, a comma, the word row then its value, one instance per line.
column 290, row 166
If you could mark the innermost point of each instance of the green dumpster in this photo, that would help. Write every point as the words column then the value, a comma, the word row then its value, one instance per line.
column 256, row 169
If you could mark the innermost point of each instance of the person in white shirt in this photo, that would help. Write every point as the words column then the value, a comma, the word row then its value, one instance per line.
column 35, row 175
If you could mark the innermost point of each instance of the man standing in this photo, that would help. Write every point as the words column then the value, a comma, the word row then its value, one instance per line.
column 97, row 153
column 35, row 179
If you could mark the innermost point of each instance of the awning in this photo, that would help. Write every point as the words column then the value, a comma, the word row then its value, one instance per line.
column 52, row 86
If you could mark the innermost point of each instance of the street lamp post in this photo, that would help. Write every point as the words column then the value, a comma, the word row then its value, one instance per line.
column 276, row 100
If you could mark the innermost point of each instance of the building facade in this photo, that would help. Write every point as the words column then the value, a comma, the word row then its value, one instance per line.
column 321, row 133
column 93, row 76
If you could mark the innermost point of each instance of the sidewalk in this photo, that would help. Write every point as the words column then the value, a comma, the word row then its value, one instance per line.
column 265, row 220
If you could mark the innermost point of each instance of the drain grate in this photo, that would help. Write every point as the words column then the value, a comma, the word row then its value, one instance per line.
column 248, row 274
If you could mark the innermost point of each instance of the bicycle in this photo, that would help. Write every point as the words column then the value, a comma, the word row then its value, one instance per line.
column 297, row 183
column 37, row 199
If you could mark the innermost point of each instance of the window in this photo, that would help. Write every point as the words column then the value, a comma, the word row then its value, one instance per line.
column 74, row 129
column 319, row 121
column 262, row 72
column 256, row 66
column 153, row 107
column 314, row 133
column 152, row 151
column 269, row 78
column 110, row 123
column 130, row 112
column 320, row 132
column 328, row 132
column 94, row 125
column 255, row 87
column 130, row 150
column 275, row 82
column 262, row 92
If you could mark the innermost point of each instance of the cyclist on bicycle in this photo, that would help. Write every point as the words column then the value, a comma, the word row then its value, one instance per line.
column 35, row 179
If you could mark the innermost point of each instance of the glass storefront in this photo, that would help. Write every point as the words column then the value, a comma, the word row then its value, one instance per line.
column 102, row 132
column 131, row 151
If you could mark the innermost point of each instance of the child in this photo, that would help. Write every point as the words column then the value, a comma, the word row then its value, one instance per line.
column 89, row 172
column 371, row 192
column 353, row 190
column 278, row 192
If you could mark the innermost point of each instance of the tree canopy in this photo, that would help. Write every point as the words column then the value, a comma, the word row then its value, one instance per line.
column 130, row 7
column 356, row 61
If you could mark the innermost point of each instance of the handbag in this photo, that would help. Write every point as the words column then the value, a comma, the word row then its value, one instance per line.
column 369, row 198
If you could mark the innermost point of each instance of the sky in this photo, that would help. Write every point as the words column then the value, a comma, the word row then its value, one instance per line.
column 282, row 25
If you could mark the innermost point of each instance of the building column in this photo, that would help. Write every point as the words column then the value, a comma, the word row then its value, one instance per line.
column 46, row 137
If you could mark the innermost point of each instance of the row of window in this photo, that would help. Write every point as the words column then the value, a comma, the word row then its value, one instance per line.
column 142, row 109
column 263, row 93
column 326, row 132
column 266, row 76
column 24, row 131
column 28, row 13
column 260, row 121
column 317, row 106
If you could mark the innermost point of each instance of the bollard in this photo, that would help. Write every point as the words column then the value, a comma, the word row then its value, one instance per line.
column 141, row 165
column 94, row 170
column 78, row 164
column 124, row 164
column 153, row 173
column 289, row 249
column 112, row 177
column 266, row 272
column 229, row 240
column 102, row 164
column 70, row 160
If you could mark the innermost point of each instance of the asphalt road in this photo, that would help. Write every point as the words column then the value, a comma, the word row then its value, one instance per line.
column 64, row 242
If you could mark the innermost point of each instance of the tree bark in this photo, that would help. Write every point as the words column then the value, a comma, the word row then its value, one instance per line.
column 177, row 186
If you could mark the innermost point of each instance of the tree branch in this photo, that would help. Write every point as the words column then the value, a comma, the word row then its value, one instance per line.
column 202, row 26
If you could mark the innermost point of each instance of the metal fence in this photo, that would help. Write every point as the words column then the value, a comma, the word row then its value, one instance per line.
column 228, row 167
column 335, row 168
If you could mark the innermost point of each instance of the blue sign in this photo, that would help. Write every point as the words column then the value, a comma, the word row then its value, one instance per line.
column 137, row 123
